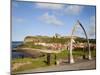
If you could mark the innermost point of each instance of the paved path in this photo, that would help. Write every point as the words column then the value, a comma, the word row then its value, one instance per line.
column 80, row 65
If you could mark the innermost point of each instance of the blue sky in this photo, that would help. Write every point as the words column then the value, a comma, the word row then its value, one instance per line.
column 30, row 18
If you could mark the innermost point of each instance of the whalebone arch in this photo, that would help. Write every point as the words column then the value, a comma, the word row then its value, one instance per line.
column 71, row 60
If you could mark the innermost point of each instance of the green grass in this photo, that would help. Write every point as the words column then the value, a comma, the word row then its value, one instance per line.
column 39, row 62
column 20, row 60
column 35, row 63
column 62, row 55
column 93, row 53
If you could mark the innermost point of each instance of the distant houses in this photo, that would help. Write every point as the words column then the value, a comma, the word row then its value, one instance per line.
column 50, row 43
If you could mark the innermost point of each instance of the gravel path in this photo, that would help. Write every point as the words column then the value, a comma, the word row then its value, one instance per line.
column 79, row 65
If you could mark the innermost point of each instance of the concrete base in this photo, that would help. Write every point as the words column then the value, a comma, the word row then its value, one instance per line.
column 90, row 58
column 71, row 61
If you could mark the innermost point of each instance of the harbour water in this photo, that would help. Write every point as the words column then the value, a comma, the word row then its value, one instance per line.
column 17, row 54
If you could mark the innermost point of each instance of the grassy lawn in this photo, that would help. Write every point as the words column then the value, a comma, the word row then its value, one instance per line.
column 37, row 62
column 34, row 63
column 41, row 61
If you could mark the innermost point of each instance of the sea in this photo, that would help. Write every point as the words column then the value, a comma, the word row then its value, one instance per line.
column 16, row 54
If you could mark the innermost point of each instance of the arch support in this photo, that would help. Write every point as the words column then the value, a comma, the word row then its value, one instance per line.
column 71, row 60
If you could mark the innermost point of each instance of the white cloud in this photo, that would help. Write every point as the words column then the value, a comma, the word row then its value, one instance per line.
column 92, row 26
column 50, row 19
column 18, row 20
column 74, row 9
column 65, row 9
column 49, row 6
column 92, row 19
